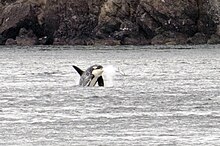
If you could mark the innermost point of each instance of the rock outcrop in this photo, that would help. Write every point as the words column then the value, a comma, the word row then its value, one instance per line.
column 109, row 22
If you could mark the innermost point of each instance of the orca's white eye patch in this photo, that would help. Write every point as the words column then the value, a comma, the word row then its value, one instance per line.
column 94, row 67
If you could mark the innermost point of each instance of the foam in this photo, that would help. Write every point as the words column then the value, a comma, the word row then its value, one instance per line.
column 108, row 75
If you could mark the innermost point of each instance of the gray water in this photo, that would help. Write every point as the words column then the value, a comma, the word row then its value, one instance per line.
column 154, row 95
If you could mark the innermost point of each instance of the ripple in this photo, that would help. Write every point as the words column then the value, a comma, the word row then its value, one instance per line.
column 156, row 95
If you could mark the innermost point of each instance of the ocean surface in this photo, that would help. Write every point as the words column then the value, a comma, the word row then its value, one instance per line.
column 153, row 95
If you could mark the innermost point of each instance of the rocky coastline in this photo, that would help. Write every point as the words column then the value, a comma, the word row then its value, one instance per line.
column 109, row 22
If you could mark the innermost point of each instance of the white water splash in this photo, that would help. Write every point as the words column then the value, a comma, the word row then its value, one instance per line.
column 109, row 74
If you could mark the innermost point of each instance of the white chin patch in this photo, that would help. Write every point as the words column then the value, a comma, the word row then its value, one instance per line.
column 97, row 72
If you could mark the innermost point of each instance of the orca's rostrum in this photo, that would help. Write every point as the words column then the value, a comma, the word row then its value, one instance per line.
column 91, row 76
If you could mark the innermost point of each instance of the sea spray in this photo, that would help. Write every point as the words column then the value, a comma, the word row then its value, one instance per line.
column 109, row 74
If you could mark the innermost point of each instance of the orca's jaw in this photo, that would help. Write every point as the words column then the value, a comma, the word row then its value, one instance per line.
column 97, row 72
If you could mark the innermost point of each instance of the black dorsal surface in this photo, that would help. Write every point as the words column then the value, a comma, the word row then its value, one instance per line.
column 78, row 70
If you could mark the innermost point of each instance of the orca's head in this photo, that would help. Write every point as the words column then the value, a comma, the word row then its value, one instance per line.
column 97, row 70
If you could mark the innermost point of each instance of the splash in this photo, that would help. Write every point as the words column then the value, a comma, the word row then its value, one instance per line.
column 109, row 74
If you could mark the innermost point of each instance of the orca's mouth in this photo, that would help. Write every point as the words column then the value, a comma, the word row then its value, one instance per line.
column 97, row 72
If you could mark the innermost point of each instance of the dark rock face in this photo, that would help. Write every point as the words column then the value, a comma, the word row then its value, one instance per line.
column 109, row 22
column 74, row 20
column 26, row 37
column 168, row 15
column 16, row 16
column 198, row 38
column 10, row 42
column 214, row 39
column 13, row 17
column 208, row 19
column 169, row 38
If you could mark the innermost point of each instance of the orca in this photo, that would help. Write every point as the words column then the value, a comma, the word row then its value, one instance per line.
column 91, row 76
